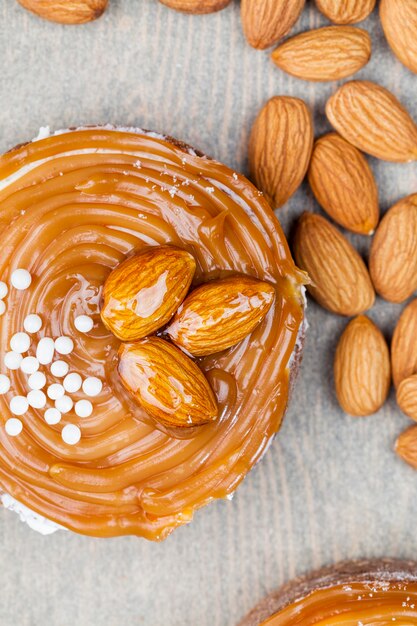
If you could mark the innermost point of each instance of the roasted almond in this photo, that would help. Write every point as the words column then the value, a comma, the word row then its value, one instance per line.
column 346, row 11
column 399, row 21
column 404, row 344
column 328, row 53
column 142, row 293
column 393, row 257
column 362, row 368
column 266, row 21
column 406, row 446
column 407, row 396
column 343, row 184
column 220, row 313
column 196, row 6
column 340, row 279
column 371, row 118
column 280, row 147
column 66, row 11
column 166, row 383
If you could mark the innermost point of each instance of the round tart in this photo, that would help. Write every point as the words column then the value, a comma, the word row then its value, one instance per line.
column 76, row 447
column 359, row 593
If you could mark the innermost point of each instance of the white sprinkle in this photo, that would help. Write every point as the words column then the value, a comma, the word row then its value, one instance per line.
column 55, row 391
column 13, row 427
column 52, row 416
column 2, row 307
column 4, row 290
column 83, row 323
column 21, row 279
column 4, row 384
column 19, row 405
column 37, row 380
column 45, row 350
column 92, row 386
column 71, row 434
column 64, row 404
column 12, row 360
column 64, row 345
column 83, row 408
column 36, row 399
column 59, row 369
column 20, row 342
column 234, row 175
column 72, row 382
column 29, row 365
column 32, row 323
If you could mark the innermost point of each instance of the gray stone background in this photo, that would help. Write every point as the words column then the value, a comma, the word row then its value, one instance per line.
column 330, row 487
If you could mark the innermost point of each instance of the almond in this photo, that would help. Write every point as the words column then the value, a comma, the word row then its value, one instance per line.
column 143, row 293
column 406, row 446
column 372, row 119
column 196, row 6
column 404, row 344
column 220, row 313
column 399, row 21
column 66, row 11
column 343, row 184
column 328, row 53
column 407, row 396
column 280, row 147
column 166, row 383
column 346, row 11
column 340, row 279
column 266, row 21
column 393, row 257
column 362, row 368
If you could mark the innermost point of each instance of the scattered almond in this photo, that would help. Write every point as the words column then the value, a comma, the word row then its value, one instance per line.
column 372, row 119
column 399, row 21
column 280, row 147
column 266, row 21
column 406, row 446
column 340, row 279
column 346, row 11
column 196, row 6
column 66, row 11
column 407, row 396
column 404, row 344
column 328, row 53
column 393, row 257
column 362, row 371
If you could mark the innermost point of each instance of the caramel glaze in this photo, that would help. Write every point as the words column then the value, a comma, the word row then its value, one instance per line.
column 73, row 206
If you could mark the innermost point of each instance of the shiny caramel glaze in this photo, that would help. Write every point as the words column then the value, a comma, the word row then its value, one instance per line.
column 73, row 206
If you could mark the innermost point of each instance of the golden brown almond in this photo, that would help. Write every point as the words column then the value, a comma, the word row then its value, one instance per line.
column 343, row 184
column 406, row 446
column 220, row 313
column 404, row 344
column 280, row 147
column 362, row 370
column 399, row 21
column 166, row 383
column 266, row 21
column 371, row 118
column 407, row 396
column 143, row 293
column 66, row 11
column 340, row 279
column 196, row 6
column 393, row 257
column 328, row 53
column 346, row 11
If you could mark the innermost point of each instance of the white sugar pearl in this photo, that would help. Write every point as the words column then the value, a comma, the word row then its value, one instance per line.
column 83, row 408
column 29, row 365
column 37, row 380
column 83, row 323
column 52, row 416
column 36, row 399
column 4, row 384
column 72, row 382
column 64, row 404
column 13, row 427
column 21, row 279
column 19, row 405
column 20, row 342
column 2, row 307
column 4, row 290
column 45, row 350
column 71, row 434
column 64, row 345
column 12, row 360
column 92, row 386
column 32, row 323
column 55, row 391
column 59, row 369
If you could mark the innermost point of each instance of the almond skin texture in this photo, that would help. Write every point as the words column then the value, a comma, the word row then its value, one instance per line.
column 399, row 21
column 196, row 6
column 166, row 383
column 407, row 396
column 343, row 184
column 362, row 368
column 66, row 11
column 393, row 257
column 328, row 53
column 219, row 314
column 406, row 446
column 142, row 294
column 404, row 344
column 280, row 147
column 340, row 279
column 346, row 11
column 371, row 118
column 266, row 21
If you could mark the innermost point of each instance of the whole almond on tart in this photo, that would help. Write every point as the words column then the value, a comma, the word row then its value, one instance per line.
column 346, row 11
column 166, row 383
column 266, row 21
column 220, row 313
column 343, row 184
column 399, row 21
column 362, row 370
column 66, row 11
column 340, row 279
column 393, row 256
column 406, row 446
column 407, row 396
column 196, row 6
column 280, row 147
column 371, row 118
column 404, row 344
column 328, row 53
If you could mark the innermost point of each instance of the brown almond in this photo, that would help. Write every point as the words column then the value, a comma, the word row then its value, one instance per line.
column 399, row 21
column 343, row 184
column 346, row 11
column 280, row 147
column 362, row 371
column 266, row 21
column 406, row 446
column 197, row 7
column 407, row 396
column 328, row 53
column 393, row 257
column 340, row 279
column 66, row 11
column 404, row 344
column 371, row 118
